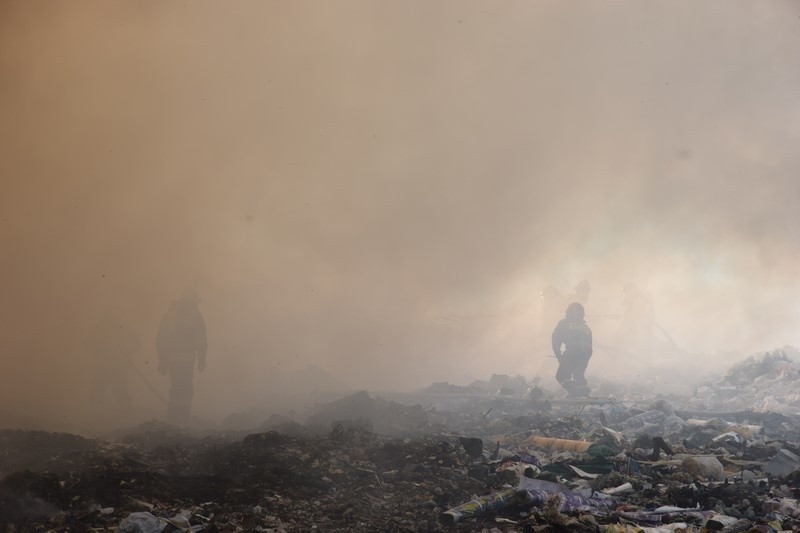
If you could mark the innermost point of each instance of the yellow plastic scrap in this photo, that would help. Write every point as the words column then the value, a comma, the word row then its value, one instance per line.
column 559, row 444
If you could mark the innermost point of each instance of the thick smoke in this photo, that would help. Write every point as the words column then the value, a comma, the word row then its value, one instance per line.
column 383, row 189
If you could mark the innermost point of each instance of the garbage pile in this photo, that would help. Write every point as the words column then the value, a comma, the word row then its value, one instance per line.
column 523, row 459
column 766, row 381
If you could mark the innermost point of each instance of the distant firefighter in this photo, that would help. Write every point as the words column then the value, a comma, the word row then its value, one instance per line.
column 552, row 305
column 576, row 338
column 580, row 293
column 636, row 328
column 180, row 343
column 112, row 345
column 550, row 296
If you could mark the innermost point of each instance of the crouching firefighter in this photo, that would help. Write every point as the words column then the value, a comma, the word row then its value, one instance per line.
column 576, row 338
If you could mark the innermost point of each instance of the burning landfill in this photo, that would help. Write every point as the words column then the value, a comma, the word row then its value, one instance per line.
column 496, row 455
column 411, row 198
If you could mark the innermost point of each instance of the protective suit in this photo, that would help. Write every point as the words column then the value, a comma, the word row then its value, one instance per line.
column 576, row 338
column 181, row 343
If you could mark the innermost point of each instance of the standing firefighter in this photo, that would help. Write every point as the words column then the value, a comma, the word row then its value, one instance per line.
column 576, row 337
column 181, row 342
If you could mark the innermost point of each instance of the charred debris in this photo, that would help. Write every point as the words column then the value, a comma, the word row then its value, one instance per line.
column 496, row 455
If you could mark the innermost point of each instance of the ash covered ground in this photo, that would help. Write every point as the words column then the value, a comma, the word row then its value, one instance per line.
column 501, row 454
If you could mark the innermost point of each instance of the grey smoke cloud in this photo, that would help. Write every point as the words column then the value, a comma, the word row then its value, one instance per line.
column 384, row 189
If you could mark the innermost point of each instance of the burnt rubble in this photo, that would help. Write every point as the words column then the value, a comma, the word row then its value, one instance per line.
column 496, row 455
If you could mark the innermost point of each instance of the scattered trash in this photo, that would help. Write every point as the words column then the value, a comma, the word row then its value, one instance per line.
column 625, row 487
column 142, row 522
column 473, row 508
column 707, row 467
column 559, row 444
column 784, row 463
column 473, row 446
column 625, row 463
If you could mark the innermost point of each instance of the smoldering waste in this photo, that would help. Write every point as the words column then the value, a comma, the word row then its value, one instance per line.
column 495, row 455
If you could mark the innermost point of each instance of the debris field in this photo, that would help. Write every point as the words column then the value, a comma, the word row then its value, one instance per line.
column 496, row 455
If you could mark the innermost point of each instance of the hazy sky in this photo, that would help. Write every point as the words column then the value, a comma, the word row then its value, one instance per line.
column 383, row 188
